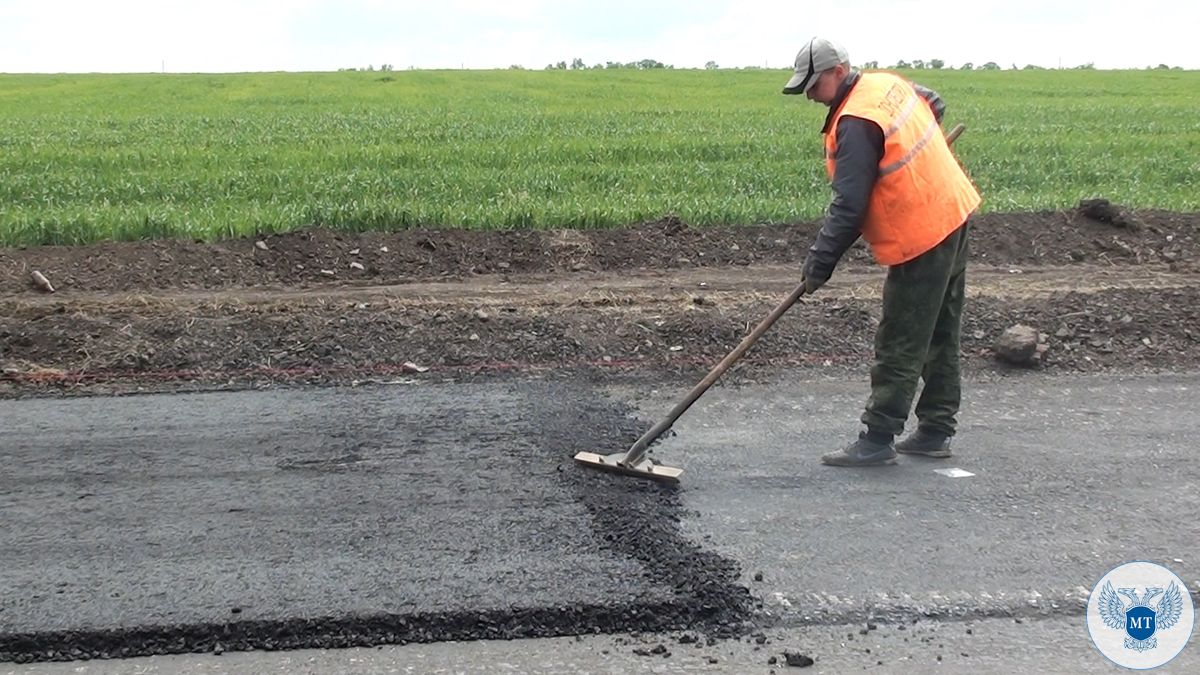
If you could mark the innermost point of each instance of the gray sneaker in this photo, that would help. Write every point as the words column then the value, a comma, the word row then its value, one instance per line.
column 926, row 444
column 862, row 452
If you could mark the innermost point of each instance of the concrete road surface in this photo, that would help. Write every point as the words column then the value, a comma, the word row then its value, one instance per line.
column 421, row 513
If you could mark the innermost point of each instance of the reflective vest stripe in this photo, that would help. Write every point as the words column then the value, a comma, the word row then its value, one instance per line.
column 908, row 156
column 902, row 117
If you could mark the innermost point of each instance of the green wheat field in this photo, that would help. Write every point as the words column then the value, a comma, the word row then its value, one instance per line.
column 94, row 157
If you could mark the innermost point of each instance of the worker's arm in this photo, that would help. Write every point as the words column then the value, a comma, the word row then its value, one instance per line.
column 859, row 149
column 935, row 102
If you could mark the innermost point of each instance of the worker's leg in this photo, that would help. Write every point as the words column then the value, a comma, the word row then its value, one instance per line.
column 913, row 295
column 941, row 394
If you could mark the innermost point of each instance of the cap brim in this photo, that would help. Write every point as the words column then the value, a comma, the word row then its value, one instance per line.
column 793, row 85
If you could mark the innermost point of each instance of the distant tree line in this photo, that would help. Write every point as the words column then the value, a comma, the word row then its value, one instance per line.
column 915, row 64
column 644, row 64
column 385, row 68
column 578, row 64
column 651, row 64
column 938, row 64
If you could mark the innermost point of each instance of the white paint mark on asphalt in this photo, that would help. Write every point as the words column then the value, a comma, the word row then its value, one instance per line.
column 954, row 473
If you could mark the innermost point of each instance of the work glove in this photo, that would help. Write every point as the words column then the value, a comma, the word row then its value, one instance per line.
column 816, row 272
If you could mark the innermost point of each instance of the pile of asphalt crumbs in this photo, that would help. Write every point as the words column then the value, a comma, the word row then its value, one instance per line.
column 640, row 519
column 634, row 518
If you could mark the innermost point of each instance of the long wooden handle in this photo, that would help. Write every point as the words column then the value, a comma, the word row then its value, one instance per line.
column 955, row 133
column 638, row 450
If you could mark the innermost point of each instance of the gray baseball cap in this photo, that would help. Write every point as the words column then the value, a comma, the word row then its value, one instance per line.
column 814, row 58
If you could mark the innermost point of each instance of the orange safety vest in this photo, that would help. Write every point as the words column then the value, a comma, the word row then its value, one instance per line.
column 921, row 195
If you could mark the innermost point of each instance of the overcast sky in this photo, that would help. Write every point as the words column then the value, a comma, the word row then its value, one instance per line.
column 302, row 35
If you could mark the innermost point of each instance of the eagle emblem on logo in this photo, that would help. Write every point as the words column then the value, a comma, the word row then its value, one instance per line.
column 1138, row 619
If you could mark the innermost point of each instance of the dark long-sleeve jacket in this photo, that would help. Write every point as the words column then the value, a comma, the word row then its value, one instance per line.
column 859, row 150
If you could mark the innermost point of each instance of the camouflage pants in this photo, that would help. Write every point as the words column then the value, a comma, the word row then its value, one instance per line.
column 918, row 338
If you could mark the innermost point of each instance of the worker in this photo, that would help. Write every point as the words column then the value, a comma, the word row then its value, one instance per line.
column 898, row 186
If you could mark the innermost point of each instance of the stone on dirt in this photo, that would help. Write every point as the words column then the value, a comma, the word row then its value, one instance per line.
column 798, row 660
column 42, row 282
column 1021, row 345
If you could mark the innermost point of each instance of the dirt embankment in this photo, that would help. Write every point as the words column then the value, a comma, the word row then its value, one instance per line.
column 1111, row 289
